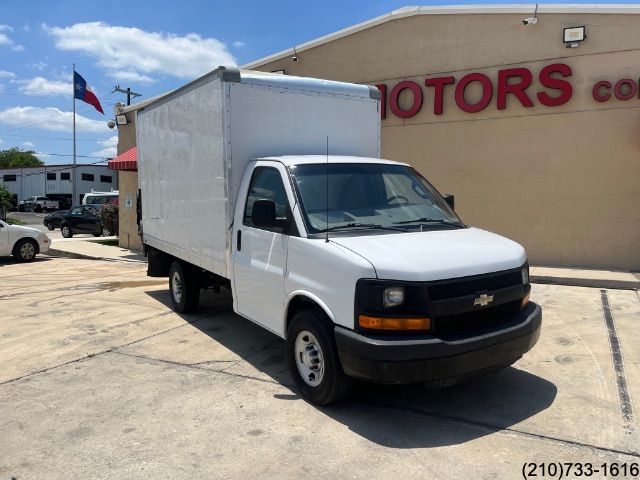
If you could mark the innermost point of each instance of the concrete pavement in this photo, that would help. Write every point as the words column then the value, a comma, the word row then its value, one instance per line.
column 100, row 379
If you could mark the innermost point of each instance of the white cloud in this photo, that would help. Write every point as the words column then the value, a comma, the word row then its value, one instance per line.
column 110, row 149
column 49, row 118
column 129, row 76
column 39, row 66
column 29, row 145
column 133, row 50
column 238, row 44
column 40, row 85
column 7, row 74
column 5, row 40
column 1, row 141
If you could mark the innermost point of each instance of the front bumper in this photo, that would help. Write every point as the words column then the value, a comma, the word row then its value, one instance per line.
column 426, row 358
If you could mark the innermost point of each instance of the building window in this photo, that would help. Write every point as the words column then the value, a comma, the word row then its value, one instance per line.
column 9, row 178
column 65, row 176
column 106, row 179
column 51, row 176
column 87, row 177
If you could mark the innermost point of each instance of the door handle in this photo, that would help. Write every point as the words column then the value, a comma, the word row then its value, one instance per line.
column 239, row 241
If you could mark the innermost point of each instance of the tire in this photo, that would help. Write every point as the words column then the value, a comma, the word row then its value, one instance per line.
column 38, row 208
column 66, row 231
column 309, row 339
column 25, row 250
column 50, row 226
column 97, row 234
column 184, row 287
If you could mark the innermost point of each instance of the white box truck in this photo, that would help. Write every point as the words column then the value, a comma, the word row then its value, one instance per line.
column 272, row 186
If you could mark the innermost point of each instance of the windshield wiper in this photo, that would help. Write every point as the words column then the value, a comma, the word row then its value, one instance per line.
column 373, row 226
column 453, row 223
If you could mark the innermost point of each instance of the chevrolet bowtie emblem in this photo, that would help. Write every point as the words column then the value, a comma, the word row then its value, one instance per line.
column 483, row 300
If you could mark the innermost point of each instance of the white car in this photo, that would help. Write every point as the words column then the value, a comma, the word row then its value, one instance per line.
column 23, row 243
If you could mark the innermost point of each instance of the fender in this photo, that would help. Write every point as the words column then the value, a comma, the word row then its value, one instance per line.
column 310, row 296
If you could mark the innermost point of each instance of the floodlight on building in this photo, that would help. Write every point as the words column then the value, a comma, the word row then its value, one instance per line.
column 572, row 36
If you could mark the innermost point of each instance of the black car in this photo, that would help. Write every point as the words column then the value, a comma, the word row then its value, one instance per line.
column 82, row 219
column 53, row 220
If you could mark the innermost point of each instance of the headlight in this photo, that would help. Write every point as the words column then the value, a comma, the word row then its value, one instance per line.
column 525, row 275
column 393, row 296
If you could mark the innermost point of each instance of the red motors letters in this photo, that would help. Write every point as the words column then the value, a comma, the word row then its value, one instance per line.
column 511, row 82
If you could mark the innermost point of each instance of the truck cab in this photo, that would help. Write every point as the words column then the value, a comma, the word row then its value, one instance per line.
column 367, row 272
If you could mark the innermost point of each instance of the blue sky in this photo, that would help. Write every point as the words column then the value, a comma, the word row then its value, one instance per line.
column 150, row 46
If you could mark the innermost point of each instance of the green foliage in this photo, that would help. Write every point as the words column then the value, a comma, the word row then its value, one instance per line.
column 5, row 200
column 16, row 158
column 14, row 221
column 108, row 217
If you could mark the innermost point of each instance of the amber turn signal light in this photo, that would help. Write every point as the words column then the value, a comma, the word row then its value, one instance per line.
column 525, row 300
column 391, row 323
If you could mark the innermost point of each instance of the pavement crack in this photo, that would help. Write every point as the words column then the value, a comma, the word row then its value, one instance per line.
column 497, row 429
column 624, row 397
column 196, row 366
column 90, row 355
column 44, row 370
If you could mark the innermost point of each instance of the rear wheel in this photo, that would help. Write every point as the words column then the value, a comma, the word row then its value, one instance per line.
column 313, row 359
column 184, row 287
column 25, row 250
column 38, row 208
column 66, row 231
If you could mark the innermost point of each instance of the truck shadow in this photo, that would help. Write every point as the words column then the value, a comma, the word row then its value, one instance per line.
column 397, row 416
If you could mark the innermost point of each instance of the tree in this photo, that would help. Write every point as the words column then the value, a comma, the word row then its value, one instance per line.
column 109, row 218
column 5, row 201
column 16, row 158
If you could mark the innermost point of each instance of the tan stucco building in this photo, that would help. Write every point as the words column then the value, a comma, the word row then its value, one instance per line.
column 539, row 140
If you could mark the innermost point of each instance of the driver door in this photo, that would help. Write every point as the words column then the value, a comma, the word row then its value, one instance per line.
column 260, row 254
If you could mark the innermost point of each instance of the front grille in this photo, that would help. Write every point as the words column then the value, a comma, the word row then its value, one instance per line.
column 452, row 325
column 471, row 285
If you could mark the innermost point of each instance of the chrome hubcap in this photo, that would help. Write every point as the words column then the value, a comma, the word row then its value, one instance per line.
column 27, row 251
column 176, row 287
column 309, row 358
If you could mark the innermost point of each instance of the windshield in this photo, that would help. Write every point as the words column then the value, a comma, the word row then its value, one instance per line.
column 369, row 196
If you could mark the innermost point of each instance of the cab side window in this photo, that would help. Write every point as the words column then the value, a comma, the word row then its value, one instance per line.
column 266, row 184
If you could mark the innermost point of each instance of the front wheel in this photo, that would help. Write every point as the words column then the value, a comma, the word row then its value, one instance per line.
column 184, row 287
column 50, row 226
column 25, row 250
column 313, row 359
column 66, row 231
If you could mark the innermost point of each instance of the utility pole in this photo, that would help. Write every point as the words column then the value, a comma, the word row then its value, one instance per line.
column 128, row 92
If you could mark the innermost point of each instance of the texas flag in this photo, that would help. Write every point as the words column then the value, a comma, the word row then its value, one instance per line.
column 82, row 92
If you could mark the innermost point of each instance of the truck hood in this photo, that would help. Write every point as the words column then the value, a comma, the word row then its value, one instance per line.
column 436, row 255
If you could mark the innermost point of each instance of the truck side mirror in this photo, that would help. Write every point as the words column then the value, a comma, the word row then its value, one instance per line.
column 450, row 199
column 263, row 214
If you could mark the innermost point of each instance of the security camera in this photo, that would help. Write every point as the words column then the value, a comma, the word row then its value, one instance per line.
column 295, row 58
column 111, row 124
column 530, row 21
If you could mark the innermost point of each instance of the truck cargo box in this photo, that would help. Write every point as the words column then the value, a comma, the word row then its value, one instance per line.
column 194, row 144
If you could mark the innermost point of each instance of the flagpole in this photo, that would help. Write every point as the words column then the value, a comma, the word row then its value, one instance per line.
column 74, row 188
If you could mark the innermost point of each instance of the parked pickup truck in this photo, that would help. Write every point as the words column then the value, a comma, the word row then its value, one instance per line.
column 38, row 204
column 272, row 186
